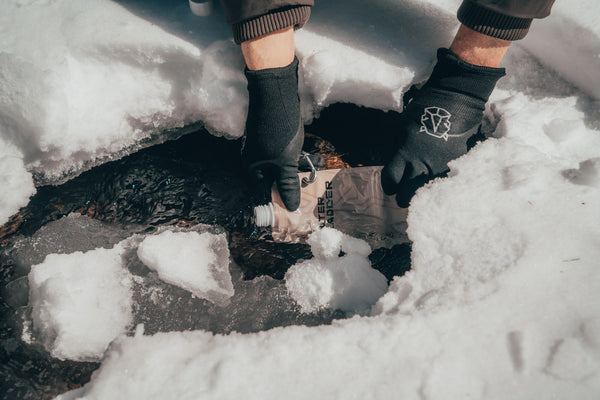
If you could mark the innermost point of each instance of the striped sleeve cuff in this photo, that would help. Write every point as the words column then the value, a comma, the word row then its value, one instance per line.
column 492, row 23
column 276, row 20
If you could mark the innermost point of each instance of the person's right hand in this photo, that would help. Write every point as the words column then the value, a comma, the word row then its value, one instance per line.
column 265, row 168
column 274, row 132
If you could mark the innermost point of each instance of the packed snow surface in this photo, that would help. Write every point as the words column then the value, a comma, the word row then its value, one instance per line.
column 502, row 299
column 197, row 262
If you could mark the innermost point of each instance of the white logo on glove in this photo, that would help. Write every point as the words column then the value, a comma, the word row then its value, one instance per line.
column 435, row 121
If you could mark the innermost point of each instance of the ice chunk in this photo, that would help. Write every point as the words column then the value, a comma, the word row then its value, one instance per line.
column 81, row 302
column 329, row 280
column 197, row 262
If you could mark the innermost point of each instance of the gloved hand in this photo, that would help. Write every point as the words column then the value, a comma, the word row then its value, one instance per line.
column 439, row 123
column 274, row 132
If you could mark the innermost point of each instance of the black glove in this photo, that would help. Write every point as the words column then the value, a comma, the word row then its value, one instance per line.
column 439, row 123
column 274, row 132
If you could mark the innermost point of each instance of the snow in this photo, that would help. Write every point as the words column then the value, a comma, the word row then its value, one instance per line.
column 502, row 299
column 81, row 302
column 197, row 262
column 328, row 280
column 16, row 182
column 320, row 81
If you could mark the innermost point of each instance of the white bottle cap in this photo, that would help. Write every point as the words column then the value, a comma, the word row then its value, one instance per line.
column 264, row 215
column 201, row 8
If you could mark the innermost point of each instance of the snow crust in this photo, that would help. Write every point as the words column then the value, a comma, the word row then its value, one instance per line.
column 197, row 262
column 328, row 280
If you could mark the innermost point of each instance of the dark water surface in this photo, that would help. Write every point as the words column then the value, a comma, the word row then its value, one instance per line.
column 194, row 180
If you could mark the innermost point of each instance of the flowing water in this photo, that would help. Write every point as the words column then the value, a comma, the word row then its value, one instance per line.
column 194, row 180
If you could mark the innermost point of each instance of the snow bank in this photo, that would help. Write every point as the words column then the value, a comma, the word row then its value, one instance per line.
column 329, row 280
column 93, row 73
column 81, row 302
column 197, row 262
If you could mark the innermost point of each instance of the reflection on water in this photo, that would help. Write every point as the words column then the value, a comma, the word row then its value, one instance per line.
column 196, row 179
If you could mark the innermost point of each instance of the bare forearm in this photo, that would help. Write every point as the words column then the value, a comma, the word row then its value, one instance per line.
column 478, row 49
column 274, row 50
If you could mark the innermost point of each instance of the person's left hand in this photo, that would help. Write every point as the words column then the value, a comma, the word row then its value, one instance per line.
column 440, row 122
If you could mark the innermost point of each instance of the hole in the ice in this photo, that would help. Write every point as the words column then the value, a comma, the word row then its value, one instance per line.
column 130, row 196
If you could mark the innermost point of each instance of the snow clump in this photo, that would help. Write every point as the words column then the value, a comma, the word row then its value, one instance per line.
column 339, row 276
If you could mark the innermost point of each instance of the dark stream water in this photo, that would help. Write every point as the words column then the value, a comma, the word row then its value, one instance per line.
column 194, row 180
